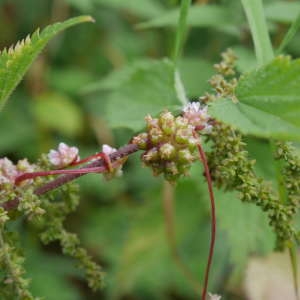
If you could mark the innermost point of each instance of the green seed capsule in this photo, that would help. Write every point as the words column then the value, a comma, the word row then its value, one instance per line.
column 167, row 151
column 166, row 122
column 185, row 156
column 141, row 140
column 156, row 136
column 151, row 155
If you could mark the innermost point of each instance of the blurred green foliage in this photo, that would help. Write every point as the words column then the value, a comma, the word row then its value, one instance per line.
column 90, row 83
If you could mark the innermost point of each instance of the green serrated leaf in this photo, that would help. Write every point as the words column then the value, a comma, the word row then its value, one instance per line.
column 114, row 79
column 148, row 90
column 282, row 11
column 246, row 228
column 16, row 60
column 269, row 102
column 142, row 8
column 199, row 16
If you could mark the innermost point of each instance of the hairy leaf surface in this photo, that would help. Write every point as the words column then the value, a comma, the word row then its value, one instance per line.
column 148, row 89
column 141, row 8
column 16, row 60
column 199, row 16
column 269, row 102
column 282, row 11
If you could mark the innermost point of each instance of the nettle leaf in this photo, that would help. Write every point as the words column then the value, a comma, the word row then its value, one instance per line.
column 199, row 16
column 141, row 8
column 16, row 60
column 246, row 229
column 282, row 11
column 269, row 102
column 148, row 89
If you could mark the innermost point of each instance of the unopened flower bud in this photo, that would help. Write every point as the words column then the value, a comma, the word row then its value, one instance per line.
column 181, row 122
column 166, row 122
column 151, row 155
column 156, row 136
column 185, row 156
column 171, row 168
column 167, row 151
column 151, row 123
column 183, row 136
column 141, row 140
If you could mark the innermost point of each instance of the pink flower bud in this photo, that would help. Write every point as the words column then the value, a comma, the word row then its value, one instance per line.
column 196, row 115
column 64, row 156
column 214, row 296
column 108, row 149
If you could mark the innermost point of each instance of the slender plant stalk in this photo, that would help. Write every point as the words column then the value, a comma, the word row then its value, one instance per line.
column 168, row 203
column 264, row 53
column 289, row 35
column 181, row 30
column 258, row 26
column 293, row 258
column 203, row 159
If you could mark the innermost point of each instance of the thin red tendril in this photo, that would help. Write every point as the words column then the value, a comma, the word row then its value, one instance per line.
column 213, row 217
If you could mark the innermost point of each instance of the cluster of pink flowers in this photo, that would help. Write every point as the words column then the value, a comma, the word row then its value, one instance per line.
column 197, row 116
column 9, row 172
column 63, row 156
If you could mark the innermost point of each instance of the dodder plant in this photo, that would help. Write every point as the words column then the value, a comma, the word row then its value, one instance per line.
column 263, row 103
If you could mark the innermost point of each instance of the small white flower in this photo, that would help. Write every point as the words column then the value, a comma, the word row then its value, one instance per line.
column 214, row 296
column 64, row 156
column 108, row 149
column 8, row 171
column 196, row 115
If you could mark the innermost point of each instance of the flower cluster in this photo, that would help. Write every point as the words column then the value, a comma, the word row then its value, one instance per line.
column 170, row 142
column 9, row 172
column 232, row 169
column 63, row 156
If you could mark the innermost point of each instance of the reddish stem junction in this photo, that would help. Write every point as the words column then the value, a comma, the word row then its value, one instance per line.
column 108, row 163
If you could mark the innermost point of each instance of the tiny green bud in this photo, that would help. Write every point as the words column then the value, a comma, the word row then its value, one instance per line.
column 167, row 151
column 141, row 140
column 156, row 136
column 171, row 168
column 181, row 122
column 150, row 155
column 182, row 136
column 185, row 155
column 166, row 122
column 151, row 123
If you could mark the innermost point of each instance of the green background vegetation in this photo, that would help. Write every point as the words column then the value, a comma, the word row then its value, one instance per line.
column 83, row 90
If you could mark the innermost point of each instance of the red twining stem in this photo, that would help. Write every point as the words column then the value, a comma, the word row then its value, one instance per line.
column 108, row 166
column 213, row 218
column 32, row 175
column 103, row 155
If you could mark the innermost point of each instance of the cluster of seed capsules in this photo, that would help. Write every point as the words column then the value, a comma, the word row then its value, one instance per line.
column 170, row 143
